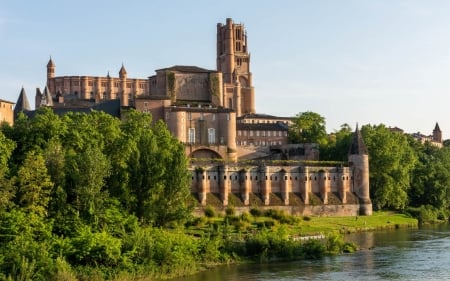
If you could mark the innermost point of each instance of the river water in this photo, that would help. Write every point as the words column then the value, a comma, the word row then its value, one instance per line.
column 403, row 254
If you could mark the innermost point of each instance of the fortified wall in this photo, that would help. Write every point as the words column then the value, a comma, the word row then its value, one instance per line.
column 298, row 188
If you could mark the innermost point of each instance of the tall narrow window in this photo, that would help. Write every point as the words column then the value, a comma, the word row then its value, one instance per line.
column 191, row 135
column 211, row 136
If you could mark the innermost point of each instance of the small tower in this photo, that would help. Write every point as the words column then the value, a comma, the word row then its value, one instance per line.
column 50, row 69
column 122, row 72
column 123, row 83
column 22, row 104
column 358, row 159
column 437, row 134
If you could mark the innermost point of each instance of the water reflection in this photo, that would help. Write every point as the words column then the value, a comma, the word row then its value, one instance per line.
column 420, row 254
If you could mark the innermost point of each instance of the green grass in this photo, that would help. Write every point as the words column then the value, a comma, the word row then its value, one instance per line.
column 379, row 220
column 304, row 226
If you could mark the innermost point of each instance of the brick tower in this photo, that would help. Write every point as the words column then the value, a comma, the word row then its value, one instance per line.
column 233, row 60
column 358, row 159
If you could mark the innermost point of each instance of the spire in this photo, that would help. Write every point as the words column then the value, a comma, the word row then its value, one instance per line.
column 22, row 103
column 436, row 128
column 50, row 62
column 122, row 72
column 437, row 133
column 47, row 99
column 357, row 147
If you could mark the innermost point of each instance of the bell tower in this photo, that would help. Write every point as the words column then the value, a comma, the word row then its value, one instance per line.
column 233, row 60
column 50, row 69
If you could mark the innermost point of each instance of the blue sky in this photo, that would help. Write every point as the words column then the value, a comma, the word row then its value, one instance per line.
column 371, row 62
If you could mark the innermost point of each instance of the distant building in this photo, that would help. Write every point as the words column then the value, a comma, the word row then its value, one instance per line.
column 434, row 139
column 6, row 112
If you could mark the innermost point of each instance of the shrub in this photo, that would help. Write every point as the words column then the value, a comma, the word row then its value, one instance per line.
column 209, row 212
column 313, row 249
column 256, row 212
column 246, row 217
column 230, row 211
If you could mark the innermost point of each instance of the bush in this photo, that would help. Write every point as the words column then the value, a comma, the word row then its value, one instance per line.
column 256, row 212
column 313, row 249
column 230, row 211
column 246, row 217
column 210, row 212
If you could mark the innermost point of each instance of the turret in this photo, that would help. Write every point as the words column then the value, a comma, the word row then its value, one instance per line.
column 358, row 158
column 50, row 69
column 437, row 134
column 122, row 72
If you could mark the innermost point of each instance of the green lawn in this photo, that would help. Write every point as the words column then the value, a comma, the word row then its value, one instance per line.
column 379, row 220
column 304, row 226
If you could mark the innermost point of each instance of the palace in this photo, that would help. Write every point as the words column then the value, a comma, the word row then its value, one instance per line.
column 213, row 113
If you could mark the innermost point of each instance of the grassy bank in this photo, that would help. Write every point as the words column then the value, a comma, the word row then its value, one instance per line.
column 301, row 226
column 379, row 220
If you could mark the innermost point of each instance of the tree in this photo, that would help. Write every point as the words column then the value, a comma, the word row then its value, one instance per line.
column 431, row 178
column 33, row 184
column 391, row 160
column 159, row 177
column 308, row 127
column 132, row 127
column 338, row 144
column 6, row 191
column 86, row 173
column 172, row 202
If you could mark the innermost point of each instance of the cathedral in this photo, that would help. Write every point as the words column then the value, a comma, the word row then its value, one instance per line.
column 213, row 113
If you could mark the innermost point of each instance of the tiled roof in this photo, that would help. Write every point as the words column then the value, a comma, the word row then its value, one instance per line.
column 6, row 101
column 358, row 147
column 262, row 116
column 262, row 126
column 187, row 68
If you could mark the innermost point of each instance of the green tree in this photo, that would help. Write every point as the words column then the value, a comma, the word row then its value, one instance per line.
column 86, row 173
column 159, row 177
column 171, row 202
column 6, row 191
column 133, row 125
column 33, row 184
column 338, row 144
column 308, row 127
column 391, row 160
column 431, row 178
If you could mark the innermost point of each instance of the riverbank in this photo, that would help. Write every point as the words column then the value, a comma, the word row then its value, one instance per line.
column 273, row 235
column 378, row 221
column 257, row 237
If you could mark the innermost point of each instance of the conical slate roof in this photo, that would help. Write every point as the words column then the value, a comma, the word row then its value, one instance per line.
column 122, row 71
column 22, row 103
column 436, row 128
column 358, row 147
column 47, row 98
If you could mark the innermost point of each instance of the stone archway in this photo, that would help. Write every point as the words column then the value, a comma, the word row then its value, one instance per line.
column 205, row 154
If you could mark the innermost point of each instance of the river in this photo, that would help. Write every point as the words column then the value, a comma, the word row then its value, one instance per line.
column 402, row 254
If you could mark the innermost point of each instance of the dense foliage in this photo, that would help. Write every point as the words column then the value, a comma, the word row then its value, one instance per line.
column 92, row 197
column 90, row 190
column 404, row 174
